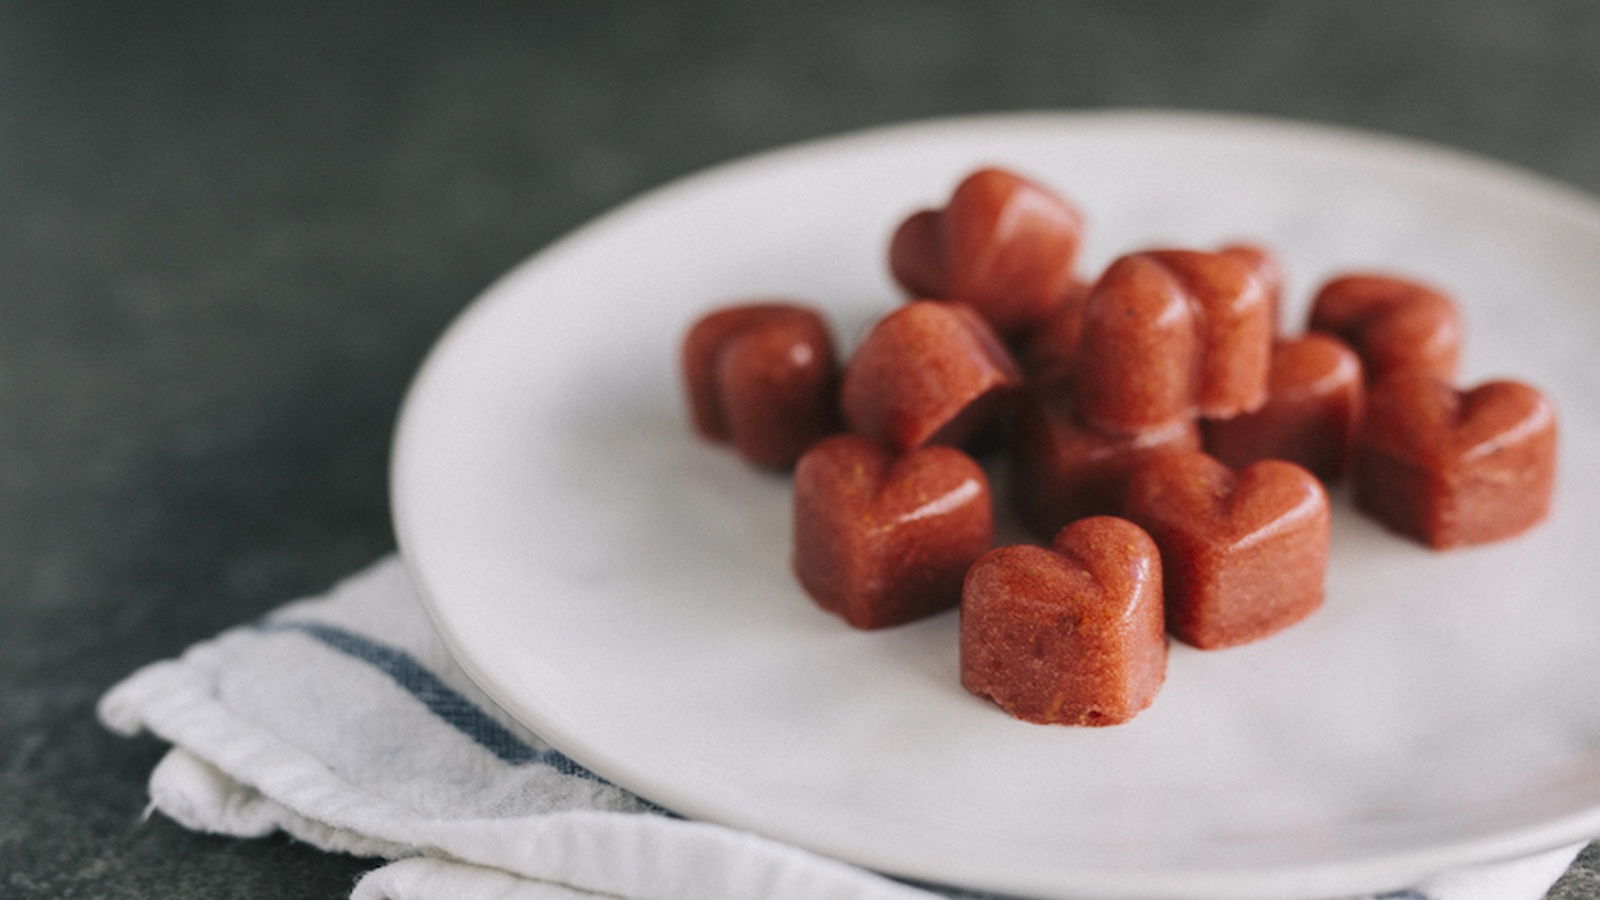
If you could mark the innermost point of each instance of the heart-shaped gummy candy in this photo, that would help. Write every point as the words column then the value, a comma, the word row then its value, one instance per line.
column 1314, row 399
column 1244, row 554
column 1393, row 323
column 1004, row 245
column 1451, row 467
column 1069, row 634
column 882, row 539
column 1233, row 315
column 764, row 378
column 929, row 372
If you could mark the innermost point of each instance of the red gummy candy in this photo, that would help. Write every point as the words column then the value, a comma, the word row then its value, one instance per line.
column 1003, row 245
column 1234, row 318
column 883, row 539
column 1072, row 634
column 1062, row 469
column 1314, row 400
column 1138, row 351
column 1243, row 554
column 1450, row 468
column 1393, row 323
column 764, row 378
column 929, row 372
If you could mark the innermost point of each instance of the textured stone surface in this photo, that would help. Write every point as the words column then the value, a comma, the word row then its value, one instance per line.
column 229, row 231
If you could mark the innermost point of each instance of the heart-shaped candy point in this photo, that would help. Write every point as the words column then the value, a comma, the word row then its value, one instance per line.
column 1071, row 634
column 1450, row 468
column 1004, row 245
column 764, row 378
column 1314, row 400
column 1244, row 554
column 929, row 372
column 1393, row 323
column 882, row 539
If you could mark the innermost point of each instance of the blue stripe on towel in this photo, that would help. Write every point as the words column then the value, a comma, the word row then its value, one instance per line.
column 440, row 699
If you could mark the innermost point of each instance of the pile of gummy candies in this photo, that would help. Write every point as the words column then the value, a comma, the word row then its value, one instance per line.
column 1154, row 426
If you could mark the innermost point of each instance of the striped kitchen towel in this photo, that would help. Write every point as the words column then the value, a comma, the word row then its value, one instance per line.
column 343, row 721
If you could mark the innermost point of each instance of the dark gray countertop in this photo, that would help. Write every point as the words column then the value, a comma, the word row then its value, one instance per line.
column 229, row 231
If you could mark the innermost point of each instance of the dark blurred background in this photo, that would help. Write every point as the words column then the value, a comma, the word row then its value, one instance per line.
column 229, row 231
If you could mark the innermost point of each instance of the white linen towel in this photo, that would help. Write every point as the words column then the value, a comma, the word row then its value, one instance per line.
column 343, row 721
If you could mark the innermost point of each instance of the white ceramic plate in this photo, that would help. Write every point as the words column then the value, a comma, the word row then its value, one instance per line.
column 624, row 589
